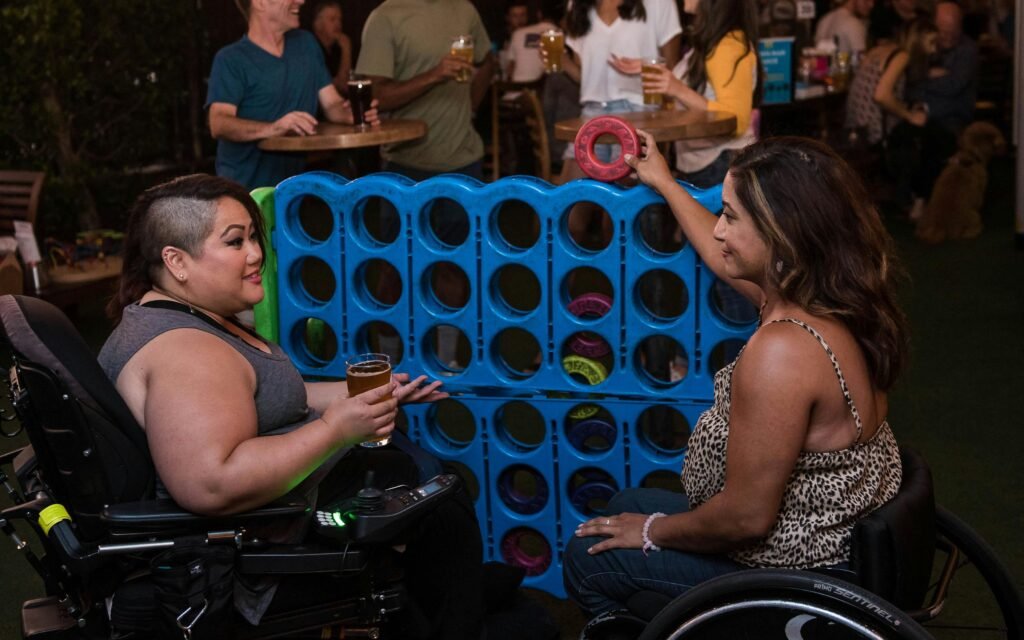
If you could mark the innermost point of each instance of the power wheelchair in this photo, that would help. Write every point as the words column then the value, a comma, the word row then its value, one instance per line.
column 84, row 486
column 906, row 559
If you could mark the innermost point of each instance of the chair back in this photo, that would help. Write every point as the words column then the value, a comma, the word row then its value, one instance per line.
column 19, row 197
column 90, row 450
column 533, row 113
column 893, row 547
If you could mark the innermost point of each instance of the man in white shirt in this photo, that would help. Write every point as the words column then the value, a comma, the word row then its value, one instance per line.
column 846, row 25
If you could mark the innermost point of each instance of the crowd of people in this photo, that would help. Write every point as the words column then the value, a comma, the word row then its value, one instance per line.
column 796, row 447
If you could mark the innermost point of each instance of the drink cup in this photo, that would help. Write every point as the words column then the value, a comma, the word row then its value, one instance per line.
column 462, row 47
column 552, row 42
column 360, row 95
column 364, row 372
column 651, row 65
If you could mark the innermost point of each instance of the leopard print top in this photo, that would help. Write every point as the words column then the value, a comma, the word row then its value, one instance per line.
column 825, row 495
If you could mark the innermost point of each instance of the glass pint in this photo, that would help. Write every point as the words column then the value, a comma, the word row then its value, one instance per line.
column 368, row 371
column 462, row 47
column 552, row 42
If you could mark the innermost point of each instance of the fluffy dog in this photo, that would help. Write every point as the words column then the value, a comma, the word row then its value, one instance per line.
column 954, row 210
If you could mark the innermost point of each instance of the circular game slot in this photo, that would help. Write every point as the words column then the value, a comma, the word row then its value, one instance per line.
column 662, row 294
column 527, row 548
column 663, row 479
column 729, row 305
column 587, row 358
column 661, row 360
column 724, row 353
column 467, row 476
column 447, row 222
column 319, row 344
column 663, row 430
column 588, row 226
column 377, row 221
column 446, row 287
column 591, row 429
column 516, row 289
column 520, row 425
column 378, row 284
column 450, row 349
column 316, row 280
column 523, row 489
column 452, row 423
column 659, row 231
column 587, row 293
column 518, row 352
column 380, row 337
column 516, row 225
column 590, row 489
column 316, row 220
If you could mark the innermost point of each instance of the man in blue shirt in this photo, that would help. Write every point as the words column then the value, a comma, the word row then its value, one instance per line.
column 952, row 85
column 269, row 83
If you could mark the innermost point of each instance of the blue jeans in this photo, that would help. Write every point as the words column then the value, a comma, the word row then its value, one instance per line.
column 604, row 152
column 605, row 581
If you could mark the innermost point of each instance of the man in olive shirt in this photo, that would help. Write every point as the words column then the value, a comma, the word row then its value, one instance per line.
column 405, row 50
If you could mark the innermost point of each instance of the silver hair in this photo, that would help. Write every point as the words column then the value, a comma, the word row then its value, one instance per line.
column 176, row 221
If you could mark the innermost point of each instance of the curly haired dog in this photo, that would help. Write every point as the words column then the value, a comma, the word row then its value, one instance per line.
column 954, row 210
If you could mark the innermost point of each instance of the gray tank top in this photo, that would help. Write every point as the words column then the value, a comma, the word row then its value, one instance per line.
column 280, row 392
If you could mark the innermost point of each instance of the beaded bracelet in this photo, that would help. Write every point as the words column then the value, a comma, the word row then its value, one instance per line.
column 645, row 534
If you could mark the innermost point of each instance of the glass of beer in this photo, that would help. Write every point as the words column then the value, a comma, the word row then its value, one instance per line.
column 364, row 372
column 462, row 47
column 652, row 65
column 360, row 96
column 552, row 42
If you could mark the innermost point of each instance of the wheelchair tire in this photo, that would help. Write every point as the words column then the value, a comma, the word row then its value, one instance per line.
column 781, row 603
column 1000, row 584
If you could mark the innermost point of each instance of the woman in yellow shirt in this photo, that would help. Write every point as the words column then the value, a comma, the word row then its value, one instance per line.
column 718, row 73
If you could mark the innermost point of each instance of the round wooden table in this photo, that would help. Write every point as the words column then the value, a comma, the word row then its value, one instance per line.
column 664, row 125
column 330, row 136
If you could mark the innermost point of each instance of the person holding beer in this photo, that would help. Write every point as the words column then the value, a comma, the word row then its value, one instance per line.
column 274, row 58
column 719, row 73
column 596, row 32
column 230, row 423
column 335, row 44
column 430, row 77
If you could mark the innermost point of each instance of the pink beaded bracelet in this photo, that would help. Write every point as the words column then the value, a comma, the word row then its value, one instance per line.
column 645, row 534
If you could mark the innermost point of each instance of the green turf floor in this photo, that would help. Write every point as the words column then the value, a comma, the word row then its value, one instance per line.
column 958, row 404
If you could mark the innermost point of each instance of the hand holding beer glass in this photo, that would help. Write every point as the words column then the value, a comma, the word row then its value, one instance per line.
column 360, row 95
column 462, row 48
column 552, row 45
column 654, row 93
column 368, row 371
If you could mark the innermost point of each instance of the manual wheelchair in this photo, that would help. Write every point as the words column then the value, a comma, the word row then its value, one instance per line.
column 116, row 561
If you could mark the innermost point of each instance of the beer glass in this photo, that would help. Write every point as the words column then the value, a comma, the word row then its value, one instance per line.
column 364, row 372
column 462, row 47
column 360, row 95
column 552, row 42
column 651, row 65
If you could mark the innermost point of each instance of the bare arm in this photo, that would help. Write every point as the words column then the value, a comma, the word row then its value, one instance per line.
column 201, row 423
column 885, row 91
column 773, row 393
column 340, row 79
column 226, row 125
column 393, row 94
column 319, row 395
column 670, row 50
column 697, row 223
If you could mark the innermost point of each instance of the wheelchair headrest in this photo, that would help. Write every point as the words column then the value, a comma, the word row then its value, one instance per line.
column 41, row 334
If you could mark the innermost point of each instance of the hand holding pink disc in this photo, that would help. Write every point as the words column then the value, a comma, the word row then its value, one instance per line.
column 587, row 137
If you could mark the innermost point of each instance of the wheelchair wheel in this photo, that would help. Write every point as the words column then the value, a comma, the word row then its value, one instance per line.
column 780, row 603
column 982, row 601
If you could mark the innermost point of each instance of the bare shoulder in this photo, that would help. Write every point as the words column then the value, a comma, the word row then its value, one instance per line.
column 194, row 354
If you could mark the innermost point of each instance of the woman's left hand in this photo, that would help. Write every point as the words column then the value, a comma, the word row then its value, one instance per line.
column 408, row 392
column 627, row 66
column 622, row 531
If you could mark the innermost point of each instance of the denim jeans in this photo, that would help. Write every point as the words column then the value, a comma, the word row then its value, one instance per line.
column 605, row 581
column 604, row 152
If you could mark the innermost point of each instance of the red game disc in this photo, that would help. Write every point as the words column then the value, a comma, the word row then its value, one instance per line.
column 587, row 137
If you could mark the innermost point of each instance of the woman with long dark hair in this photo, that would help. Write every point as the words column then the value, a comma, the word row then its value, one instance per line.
column 796, row 447
column 600, row 31
column 718, row 73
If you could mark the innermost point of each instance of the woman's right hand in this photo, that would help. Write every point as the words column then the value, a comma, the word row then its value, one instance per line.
column 370, row 414
column 651, row 168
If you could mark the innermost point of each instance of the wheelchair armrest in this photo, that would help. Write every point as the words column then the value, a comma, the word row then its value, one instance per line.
column 165, row 513
column 301, row 559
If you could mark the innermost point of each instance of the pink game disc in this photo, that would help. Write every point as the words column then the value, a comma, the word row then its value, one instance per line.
column 587, row 137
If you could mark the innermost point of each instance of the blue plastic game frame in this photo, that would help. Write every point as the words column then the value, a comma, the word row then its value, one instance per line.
column 548, row 515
